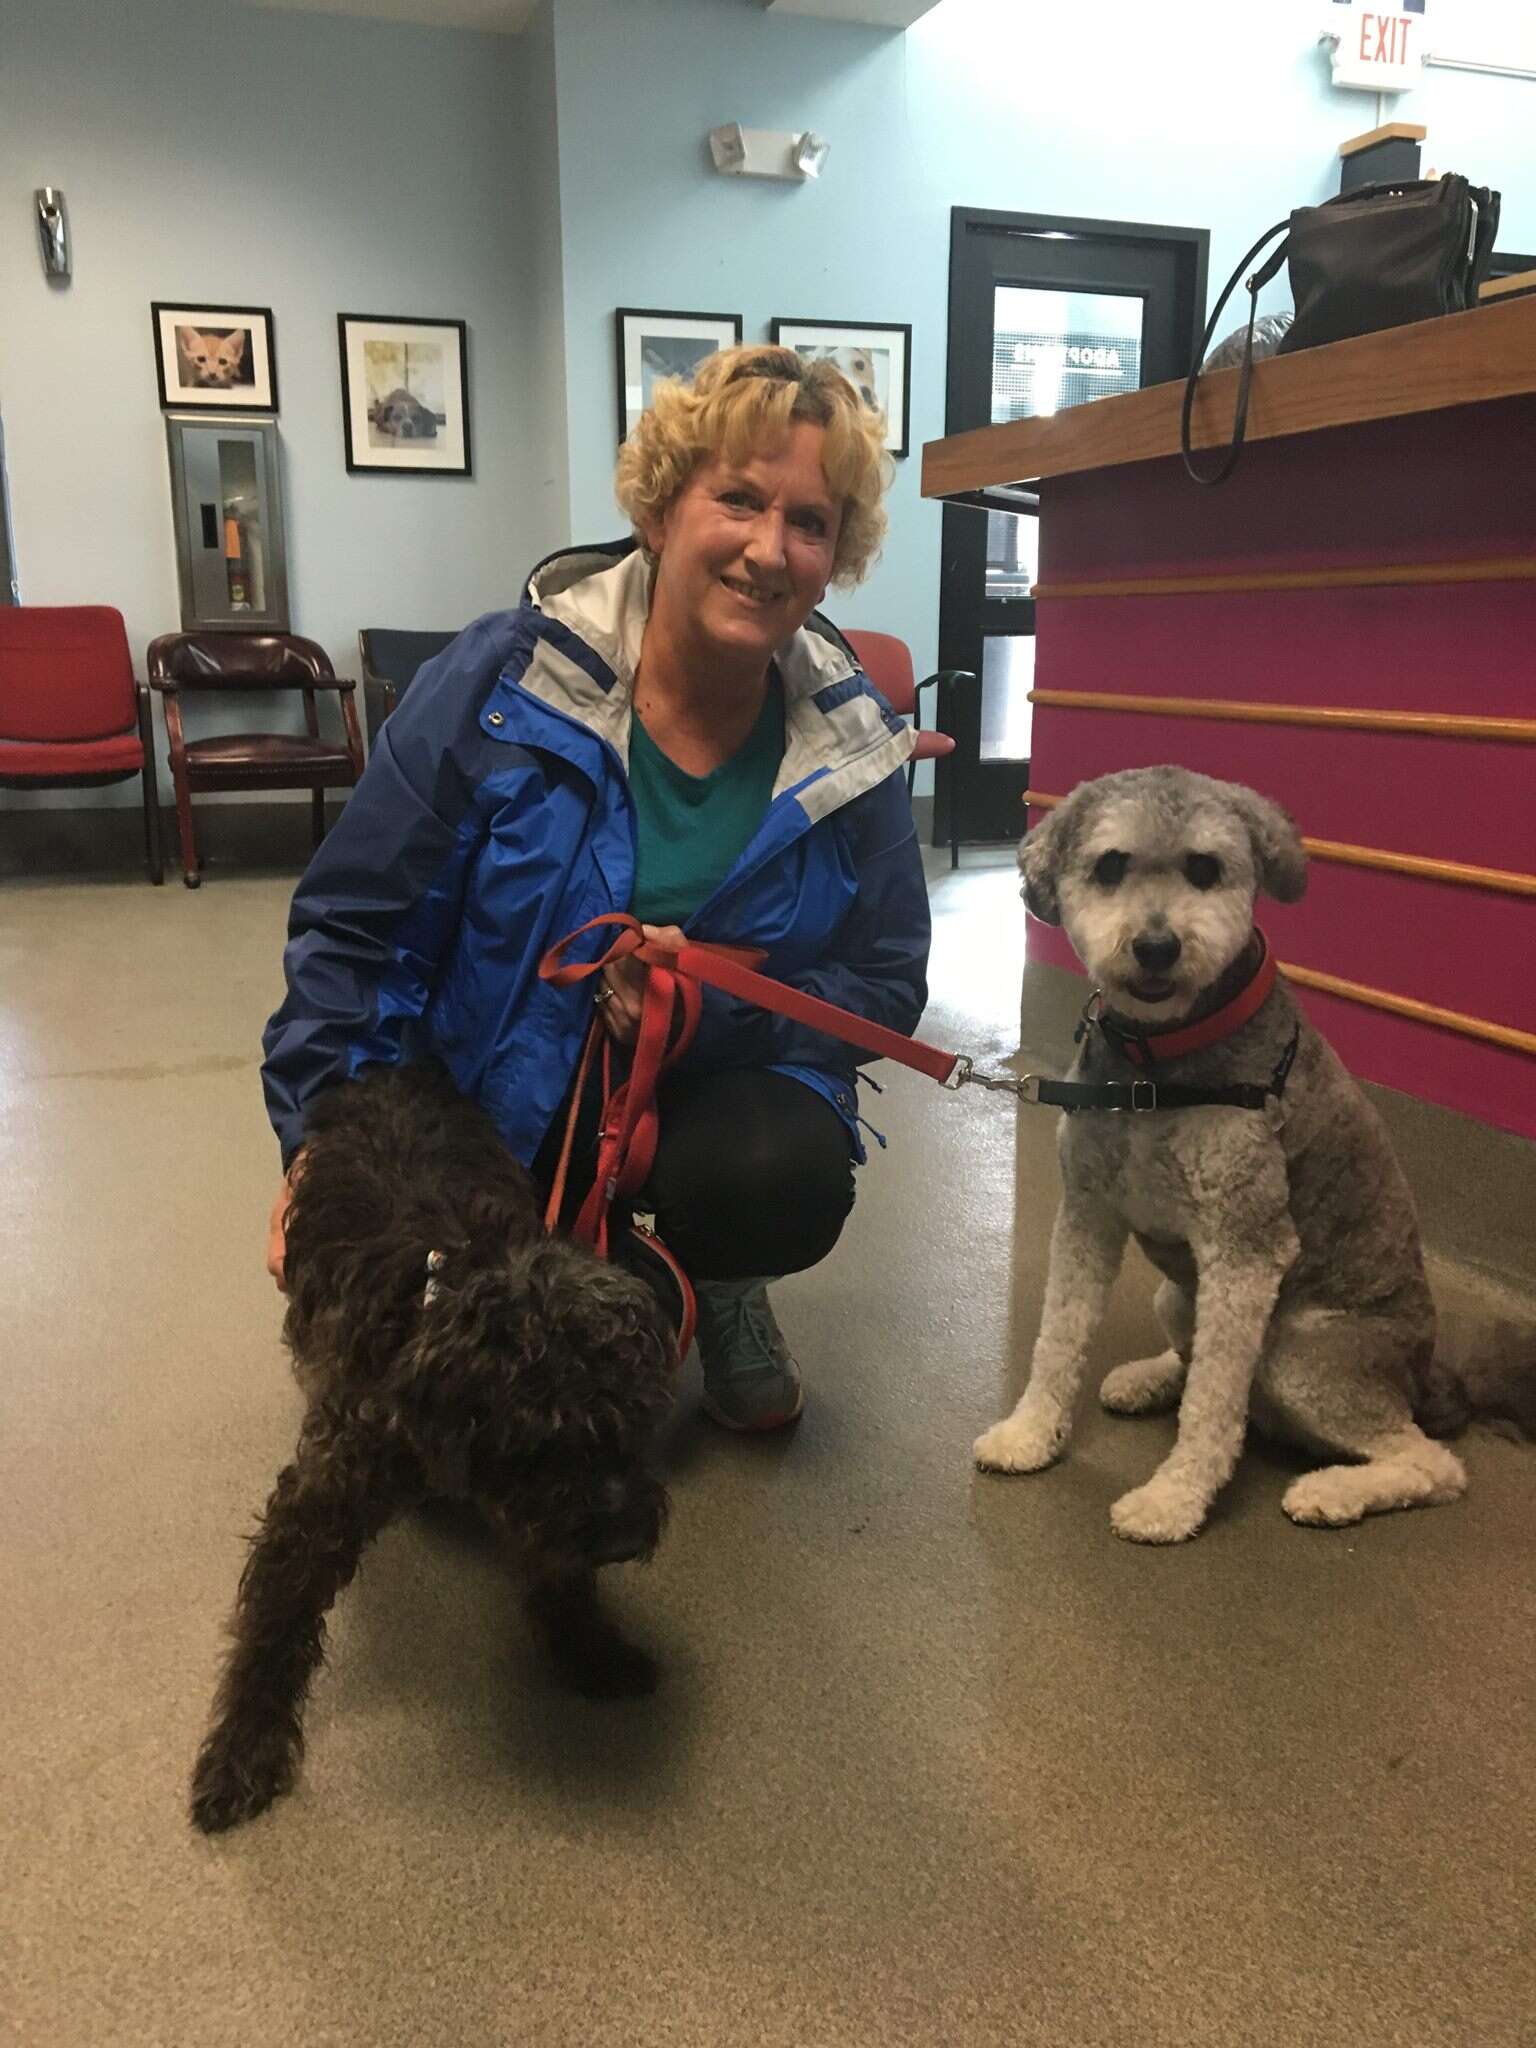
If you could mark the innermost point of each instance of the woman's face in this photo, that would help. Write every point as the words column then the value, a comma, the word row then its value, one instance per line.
column 746, row 551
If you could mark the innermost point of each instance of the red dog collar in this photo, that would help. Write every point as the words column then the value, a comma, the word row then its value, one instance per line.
column 1145, row 1049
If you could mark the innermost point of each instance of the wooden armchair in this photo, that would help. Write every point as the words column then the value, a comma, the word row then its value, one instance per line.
column 236, row 663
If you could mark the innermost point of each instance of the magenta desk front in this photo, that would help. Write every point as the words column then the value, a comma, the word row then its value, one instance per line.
column 1349, row 625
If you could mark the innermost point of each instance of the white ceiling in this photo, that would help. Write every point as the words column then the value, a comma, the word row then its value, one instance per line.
column 877, row 13
column 507, row 17
column 499, row 17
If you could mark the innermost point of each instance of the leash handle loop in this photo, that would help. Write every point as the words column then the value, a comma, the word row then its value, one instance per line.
column 731, row 968
column 670, row 1012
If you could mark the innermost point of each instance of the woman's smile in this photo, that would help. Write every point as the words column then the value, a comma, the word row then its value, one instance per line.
column 755, row 594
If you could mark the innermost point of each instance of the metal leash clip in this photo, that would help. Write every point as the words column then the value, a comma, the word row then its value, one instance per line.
column 1025, row 1086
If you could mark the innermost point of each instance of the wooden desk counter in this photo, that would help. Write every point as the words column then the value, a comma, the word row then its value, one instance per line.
column 1459, row 360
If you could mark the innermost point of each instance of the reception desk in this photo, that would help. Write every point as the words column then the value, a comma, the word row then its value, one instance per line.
column 1348, row 624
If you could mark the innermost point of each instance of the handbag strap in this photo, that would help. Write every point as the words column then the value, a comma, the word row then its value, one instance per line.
column 1256, row 284
column 1488, row 204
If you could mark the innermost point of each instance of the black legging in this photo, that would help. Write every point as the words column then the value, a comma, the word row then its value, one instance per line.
column 753, row 1174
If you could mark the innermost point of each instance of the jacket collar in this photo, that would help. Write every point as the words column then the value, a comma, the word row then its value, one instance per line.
column 588, row 609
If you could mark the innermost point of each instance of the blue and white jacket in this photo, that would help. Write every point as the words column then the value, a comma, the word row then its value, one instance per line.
column 495, row 816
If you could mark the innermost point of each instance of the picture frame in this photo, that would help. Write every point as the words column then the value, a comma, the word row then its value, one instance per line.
column 875, row 356
column 222, row 358
column 651, row 343
column 404, row 395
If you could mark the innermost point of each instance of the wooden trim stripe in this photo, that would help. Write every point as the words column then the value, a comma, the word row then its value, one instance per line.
column 1406, row 1006
column 1340, row 718
column 1360, row 576
column 1504, row 881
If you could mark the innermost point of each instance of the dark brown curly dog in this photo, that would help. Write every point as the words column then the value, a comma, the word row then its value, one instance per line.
column 530, row 1384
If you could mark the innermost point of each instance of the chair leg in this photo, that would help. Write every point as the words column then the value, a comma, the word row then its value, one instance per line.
column 153, row 855
column 317, row 815
column 191, row 872
column 151, row 791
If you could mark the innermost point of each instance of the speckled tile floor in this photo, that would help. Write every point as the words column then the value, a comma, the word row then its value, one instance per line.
column 935, row 1759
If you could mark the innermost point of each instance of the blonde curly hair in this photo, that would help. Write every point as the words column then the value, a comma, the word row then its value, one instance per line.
column 740, row 401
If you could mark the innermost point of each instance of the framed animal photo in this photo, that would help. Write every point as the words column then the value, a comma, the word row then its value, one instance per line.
column 652, row 345
column 876, row 358
column 220, row 356
column 404, row 395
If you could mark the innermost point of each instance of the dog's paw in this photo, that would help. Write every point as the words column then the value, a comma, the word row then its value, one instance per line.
column 236, row 1778
column 1146, row 1386
column 1019, row 1444
column 1329, row 1499
column 1162, row 1511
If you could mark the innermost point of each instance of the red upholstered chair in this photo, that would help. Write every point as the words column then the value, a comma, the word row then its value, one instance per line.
column 887, row 662
column 242, row 662
column 71, row 714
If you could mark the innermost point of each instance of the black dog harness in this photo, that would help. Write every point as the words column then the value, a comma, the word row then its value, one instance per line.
column 1146, row 1049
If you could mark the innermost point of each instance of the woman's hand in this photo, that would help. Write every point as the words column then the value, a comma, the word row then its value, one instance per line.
column 277, row 1227
column 625, row 982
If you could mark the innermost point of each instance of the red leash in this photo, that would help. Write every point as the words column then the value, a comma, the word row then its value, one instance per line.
column 669, row 1018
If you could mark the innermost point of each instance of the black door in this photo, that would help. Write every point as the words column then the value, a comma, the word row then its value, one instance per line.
column 1043, row 313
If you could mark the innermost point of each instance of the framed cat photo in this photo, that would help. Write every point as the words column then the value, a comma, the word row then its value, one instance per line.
column 221, row 356
column 404, row 395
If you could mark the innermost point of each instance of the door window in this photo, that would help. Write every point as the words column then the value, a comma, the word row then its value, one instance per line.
column 1052, row 349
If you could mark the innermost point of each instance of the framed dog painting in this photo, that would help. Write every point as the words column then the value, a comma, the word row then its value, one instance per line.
column 875, row 357
column 653, row 345
column 214, row 356
column 404, row 395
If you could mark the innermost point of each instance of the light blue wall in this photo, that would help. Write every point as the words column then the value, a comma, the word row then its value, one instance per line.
column 530, row 185
column 1204, row 113
column 549, row 453
column 308, row 163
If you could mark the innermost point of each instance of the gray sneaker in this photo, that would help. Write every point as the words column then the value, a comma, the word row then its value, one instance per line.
column 750, row 1380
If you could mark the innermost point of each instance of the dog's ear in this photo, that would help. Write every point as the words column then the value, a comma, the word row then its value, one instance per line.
column 1279, row 858
column 1040, row 852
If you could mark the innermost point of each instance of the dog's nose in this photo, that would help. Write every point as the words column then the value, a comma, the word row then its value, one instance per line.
column 626, row 1537
column 1157, row 954
column 626, row 1522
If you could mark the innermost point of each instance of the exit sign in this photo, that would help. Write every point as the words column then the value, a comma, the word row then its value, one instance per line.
column 1378, row 45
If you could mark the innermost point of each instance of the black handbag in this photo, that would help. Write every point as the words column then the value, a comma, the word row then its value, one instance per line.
column 1378, row 256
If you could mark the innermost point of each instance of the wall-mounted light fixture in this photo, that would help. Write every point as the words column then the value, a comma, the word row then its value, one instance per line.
column 52, row 230
column 767, row 152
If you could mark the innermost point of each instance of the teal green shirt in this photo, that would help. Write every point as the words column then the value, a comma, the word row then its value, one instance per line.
column 690, row 828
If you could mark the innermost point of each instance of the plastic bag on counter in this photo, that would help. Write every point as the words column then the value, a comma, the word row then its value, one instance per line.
column 1269, row 330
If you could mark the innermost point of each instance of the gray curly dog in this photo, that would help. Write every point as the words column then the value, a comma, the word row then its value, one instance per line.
column 1293, row 1283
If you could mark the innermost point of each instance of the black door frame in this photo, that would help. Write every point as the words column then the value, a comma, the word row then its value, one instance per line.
column 963, row 546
